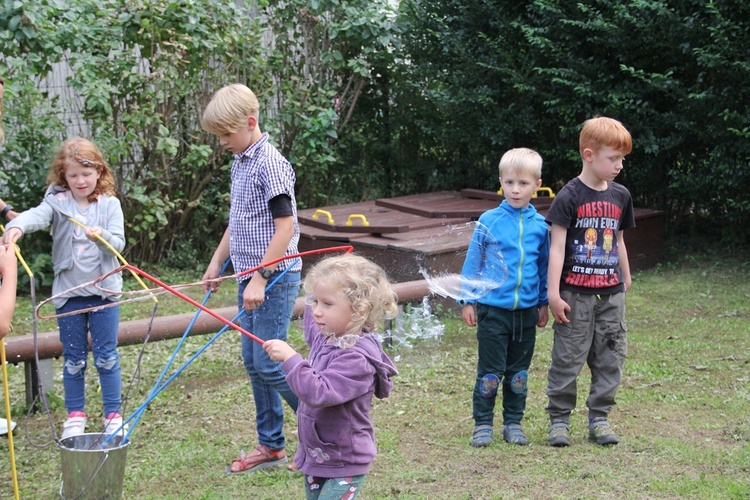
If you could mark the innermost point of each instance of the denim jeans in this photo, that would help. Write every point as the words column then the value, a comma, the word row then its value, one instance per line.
column 506, row 345
column 269, row 321
column 74, row 329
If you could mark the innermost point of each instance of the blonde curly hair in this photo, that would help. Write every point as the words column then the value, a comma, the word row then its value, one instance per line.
column 363, row 283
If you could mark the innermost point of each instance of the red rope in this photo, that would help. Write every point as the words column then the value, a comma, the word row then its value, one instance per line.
column 217, row 316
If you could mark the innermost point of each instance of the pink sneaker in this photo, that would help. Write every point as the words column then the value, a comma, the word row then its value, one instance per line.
column 112, row 423
column 75, row 425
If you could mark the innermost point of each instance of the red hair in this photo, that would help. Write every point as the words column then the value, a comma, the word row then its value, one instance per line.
column 83, row 152
column 601, row 132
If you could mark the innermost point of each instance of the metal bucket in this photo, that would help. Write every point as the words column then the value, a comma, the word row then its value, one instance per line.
column 90, row 471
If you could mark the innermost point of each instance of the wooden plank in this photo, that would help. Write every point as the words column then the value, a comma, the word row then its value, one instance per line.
column 381, row 220
column 439, row 204
column 539, row 201
column 437, row 242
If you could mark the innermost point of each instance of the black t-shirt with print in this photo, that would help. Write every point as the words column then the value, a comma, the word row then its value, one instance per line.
column 592, row 218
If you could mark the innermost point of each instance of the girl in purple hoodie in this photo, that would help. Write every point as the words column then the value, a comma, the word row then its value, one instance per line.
column 347, row 297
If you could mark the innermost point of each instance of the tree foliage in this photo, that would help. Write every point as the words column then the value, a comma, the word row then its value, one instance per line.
column 488, row 76
column 368, row 102
column 143, row 71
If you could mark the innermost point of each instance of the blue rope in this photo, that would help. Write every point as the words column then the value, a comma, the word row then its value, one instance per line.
column 154, row 392
column 138, row 414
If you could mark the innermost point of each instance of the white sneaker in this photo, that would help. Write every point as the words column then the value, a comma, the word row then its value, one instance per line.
column 4, row 426
column 75, row 425
column 112, row 423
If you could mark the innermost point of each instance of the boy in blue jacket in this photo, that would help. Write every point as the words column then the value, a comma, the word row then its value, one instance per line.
column 511, row 239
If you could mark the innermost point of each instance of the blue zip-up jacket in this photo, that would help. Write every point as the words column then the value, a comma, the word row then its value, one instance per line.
column 512, row 242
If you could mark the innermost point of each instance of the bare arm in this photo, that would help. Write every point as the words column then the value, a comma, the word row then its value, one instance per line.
column 221, row 254
column 624, row 262
column 9, row 272
column 557, row 306
column 9, row 214
column 255, row 291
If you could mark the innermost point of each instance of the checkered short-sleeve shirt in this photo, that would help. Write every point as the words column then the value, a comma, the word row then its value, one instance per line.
column 259, row 174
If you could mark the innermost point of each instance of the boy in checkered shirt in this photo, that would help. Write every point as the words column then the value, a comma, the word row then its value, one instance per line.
column 262, row 228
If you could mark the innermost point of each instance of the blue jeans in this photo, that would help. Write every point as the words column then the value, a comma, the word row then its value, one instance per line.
column 74, row 329
column 269, row 321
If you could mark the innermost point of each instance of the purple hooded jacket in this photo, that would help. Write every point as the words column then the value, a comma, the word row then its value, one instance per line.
column 335, row 386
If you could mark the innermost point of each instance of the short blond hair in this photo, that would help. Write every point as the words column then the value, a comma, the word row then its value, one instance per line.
column 363, row 283
column 229, row 108
column 601, row 132
column 522, row 160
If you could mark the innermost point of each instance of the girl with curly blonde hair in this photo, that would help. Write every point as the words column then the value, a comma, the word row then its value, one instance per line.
column 348, row 296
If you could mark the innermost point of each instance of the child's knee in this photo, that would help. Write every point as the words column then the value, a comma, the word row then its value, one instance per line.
column 488, row 385
column 74, row 367
column 519, row 382
column 108, row 363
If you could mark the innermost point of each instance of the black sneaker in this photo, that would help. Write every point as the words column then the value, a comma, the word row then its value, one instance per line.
column 602, row 433
column 559, row 434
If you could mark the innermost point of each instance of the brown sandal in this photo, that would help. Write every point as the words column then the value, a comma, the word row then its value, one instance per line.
column 261, row 458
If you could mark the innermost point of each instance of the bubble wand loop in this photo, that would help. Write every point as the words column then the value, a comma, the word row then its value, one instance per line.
column 138, row 413
column 135, row 417
column 213, row 314
column 227, row 324
column 117, row 254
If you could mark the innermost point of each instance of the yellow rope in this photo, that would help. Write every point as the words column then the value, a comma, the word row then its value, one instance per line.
column 122, row 259
column 8, row 416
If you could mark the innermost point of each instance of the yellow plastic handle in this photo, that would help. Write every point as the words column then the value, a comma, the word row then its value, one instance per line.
column 542, row 189
column 323, row 212
column 545, row 190
column 357, row 216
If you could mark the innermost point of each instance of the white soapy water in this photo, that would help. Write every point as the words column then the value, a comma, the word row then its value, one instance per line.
column 417, row 324
column 488, row 275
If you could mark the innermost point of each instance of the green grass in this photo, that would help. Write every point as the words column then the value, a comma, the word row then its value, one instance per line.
column 682, row 411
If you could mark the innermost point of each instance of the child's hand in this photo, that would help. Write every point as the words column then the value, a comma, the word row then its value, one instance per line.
column 469, row 315
column 213, row 272
column 11, row 235
column 559, row 309
column 7, row 259
column 543, row 316
column 254, row 294
column 92, row 233
column 278, row 350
